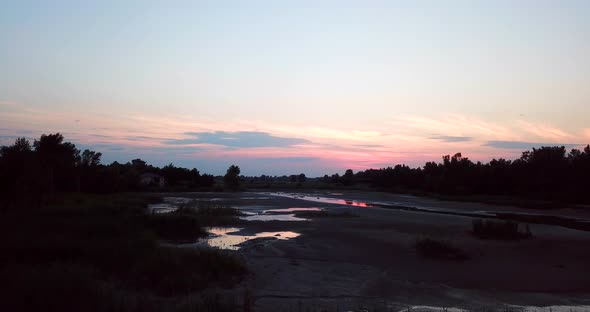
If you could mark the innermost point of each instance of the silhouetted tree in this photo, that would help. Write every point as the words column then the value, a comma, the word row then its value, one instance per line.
column 232, row 178
column 90, row 158
column 139, row 165
column 89, row 171
column 59, row 160
column 19, row 176
column 347, row 178
column 301, row 178
column 206, row 180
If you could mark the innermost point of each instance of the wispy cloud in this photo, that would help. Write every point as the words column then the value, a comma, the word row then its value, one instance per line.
column 523, row 145
column 8, row 103
column 458, row 128
column 239, row 139
column 451, row 139
column 544, row 131
column 290, row 159
column 369, row 145
column 454, row 126
column 193, row 141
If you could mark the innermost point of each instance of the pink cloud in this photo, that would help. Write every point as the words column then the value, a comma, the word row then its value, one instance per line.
column 544, row 131
column 408, row 140
column 455, row 125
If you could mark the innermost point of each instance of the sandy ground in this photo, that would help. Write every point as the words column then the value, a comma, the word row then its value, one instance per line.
column 368, row 261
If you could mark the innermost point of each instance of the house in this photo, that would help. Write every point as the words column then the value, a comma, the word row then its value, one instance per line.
column 152, row 179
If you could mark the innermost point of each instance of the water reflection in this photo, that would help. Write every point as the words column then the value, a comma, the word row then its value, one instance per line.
column 273, row 217
column 356, row 204
column 288, row 210
column 225, row 239
column 282, row 214
column 325, row 200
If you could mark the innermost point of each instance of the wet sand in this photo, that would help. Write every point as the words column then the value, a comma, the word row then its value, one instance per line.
column 368, row 260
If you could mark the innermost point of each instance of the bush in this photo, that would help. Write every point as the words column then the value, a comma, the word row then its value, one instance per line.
column 438, row 249
column 174, row 227
column 501, row 230
column 210, row 213
column 207, row 208
column 101, row 253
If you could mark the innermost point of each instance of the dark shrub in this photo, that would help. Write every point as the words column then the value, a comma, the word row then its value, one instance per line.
column 501, row 230
column 171, row 226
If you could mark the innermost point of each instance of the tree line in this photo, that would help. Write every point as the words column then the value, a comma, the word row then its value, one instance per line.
column 545, row 173
column 30, row 174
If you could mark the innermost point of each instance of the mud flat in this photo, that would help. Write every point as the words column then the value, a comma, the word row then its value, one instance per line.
column 366, row 258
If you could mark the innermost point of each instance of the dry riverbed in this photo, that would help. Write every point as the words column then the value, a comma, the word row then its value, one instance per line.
column 354, row 251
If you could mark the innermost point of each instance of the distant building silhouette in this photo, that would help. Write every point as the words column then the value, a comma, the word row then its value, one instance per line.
column 152, row 179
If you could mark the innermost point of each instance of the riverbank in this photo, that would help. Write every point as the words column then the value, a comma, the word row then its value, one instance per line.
column 314, row 251
column 368, row 259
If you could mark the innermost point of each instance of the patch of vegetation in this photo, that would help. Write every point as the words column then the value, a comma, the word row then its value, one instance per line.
column 101, row 253
column 209, row 213
column 117, row 204
column 500, row 230
column 207, row 208
column 439, row 249
column 174, row 227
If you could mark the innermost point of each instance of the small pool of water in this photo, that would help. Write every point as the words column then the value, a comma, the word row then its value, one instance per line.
column 273, row 217
column 288, row 210
column 321, row 199
column 281, row 214
column 224, row 237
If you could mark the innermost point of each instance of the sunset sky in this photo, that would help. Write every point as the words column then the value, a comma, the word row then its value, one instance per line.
column 283, row 87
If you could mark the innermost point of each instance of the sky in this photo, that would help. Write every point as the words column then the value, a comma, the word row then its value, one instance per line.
column 287, row 87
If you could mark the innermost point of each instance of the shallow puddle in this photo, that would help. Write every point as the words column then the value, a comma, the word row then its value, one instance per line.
column 273, row 217
column 281, row 214
column 321, row 199
column 288, row 210
column 224, row 239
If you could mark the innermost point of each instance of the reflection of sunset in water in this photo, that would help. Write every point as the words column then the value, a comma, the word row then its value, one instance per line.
column 321, row 199
column 355, row 204
column 224, row 239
